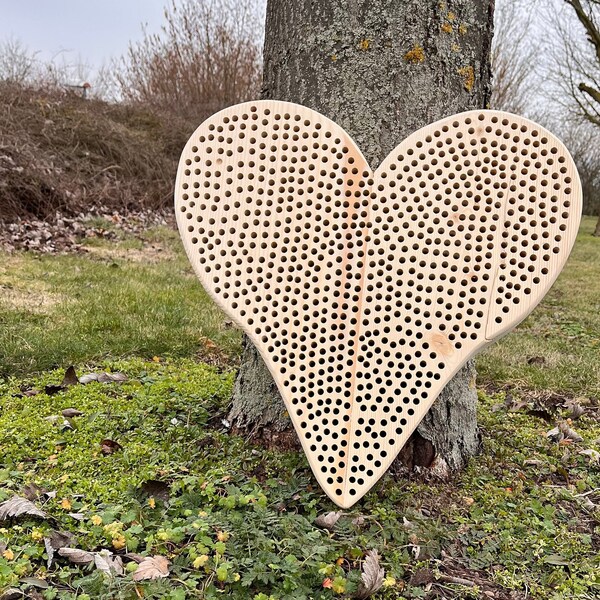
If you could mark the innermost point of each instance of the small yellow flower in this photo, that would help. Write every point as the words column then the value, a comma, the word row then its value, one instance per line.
column 389, row 581
column 96, row 520
column 200, row 561
column 156, row 359
column 114, row 529
column 8, row 554
column 202, row 513
column 66, row 504
column 151, row 502
column 118, row 542
column 37, row 535
column 222, row 536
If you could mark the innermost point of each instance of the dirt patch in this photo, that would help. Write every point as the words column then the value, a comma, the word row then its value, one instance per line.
column 31, row 300
column 149, row 254
column 435, row 585
column 17, row 293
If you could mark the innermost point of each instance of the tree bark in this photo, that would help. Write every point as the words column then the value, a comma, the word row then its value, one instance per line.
column 381, row 69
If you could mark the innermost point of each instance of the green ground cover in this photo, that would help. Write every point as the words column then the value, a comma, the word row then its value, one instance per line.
column 149, row 468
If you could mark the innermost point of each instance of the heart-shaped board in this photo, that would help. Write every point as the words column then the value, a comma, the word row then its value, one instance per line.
column 364, row 291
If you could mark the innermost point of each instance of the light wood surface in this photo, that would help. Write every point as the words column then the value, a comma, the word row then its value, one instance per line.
column 366, row 291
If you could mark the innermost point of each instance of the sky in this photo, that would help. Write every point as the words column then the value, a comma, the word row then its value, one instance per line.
column 88, row 31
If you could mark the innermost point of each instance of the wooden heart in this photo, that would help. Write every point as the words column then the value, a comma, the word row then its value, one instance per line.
column 366, row 291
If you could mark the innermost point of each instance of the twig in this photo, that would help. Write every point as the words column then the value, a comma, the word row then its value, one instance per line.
column 458, row 580
column 588, row 493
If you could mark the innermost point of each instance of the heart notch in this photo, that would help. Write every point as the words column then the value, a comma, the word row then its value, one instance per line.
column 365, row 292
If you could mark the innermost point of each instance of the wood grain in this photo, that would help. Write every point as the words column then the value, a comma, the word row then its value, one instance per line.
column 366, row 291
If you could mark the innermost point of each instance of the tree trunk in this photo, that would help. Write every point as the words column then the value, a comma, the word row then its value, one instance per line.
column 597, row 229
column 381, row 69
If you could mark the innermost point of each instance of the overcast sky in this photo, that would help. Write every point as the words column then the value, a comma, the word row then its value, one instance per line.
column 90, row 31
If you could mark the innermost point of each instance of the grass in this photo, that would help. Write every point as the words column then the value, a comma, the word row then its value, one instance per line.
column 237, row 520
column 140, row 297
column 119, row 299
column 558, row 347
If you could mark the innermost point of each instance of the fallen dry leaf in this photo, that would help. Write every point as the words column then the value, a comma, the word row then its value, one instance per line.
column 55, row 541
column 41, row 584
column 422, row 577
column 17, row 506
column 102, row 378
column 575, row 409
column 592, row 454
column 569, row 433
column 108, row 563
column 109, row 447
column 554, row 435
column 69, row 379
column 372, row 576
column 112, row 377
column 328, row 520
column 32, row 491
column 27, row 392
column 77, row 556
column 156, row 489
column 53, row 389
column 132, row 556
column 60, row 539
column 155, row 567
column 69, row 413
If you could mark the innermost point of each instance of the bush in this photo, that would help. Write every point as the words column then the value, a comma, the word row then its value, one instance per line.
column 61, row 152
column 206, row 57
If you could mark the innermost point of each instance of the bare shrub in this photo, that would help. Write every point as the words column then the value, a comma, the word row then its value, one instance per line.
column 514, row 53
column 207, row 56
column 59, row 152
column 577, row 64
column 17, row 62
column 581, row 140
column 64, row 72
